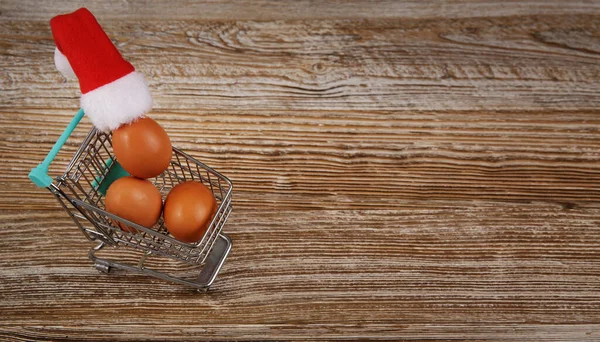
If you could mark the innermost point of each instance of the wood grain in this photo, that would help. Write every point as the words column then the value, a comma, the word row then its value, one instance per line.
column 301, row 9
column 401, row 170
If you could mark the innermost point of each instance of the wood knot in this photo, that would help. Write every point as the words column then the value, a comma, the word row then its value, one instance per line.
column 318, row 67
column 568, row 205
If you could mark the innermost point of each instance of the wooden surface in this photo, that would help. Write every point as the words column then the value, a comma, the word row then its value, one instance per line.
column 402, row 170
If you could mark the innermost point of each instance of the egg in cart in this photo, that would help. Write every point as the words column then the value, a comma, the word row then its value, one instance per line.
column 81, row 191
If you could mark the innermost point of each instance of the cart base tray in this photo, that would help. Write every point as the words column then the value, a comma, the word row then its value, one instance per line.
column 207, row 275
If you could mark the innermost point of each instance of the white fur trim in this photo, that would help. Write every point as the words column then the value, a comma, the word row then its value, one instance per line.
column 62, row 64
column 118, row 102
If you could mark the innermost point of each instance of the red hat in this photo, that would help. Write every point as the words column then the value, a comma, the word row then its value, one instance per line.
column 112, row 92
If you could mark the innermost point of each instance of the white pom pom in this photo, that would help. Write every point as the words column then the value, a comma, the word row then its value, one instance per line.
column 62, row 64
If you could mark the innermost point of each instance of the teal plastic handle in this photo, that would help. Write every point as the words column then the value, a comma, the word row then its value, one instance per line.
column 39, row 174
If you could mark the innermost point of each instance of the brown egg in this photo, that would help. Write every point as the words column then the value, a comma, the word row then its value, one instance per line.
column 189, row 209
column 134, row 199
column 142, row 147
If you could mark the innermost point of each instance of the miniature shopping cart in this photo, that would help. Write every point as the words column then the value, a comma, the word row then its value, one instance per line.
column 80, row 191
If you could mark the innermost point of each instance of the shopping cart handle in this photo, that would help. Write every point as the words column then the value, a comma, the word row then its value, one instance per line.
column 39, row 174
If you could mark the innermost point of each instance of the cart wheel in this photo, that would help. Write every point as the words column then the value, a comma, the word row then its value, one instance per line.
column 102, row 267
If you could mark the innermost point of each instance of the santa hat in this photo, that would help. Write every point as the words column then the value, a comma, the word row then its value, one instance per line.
column 112, row 92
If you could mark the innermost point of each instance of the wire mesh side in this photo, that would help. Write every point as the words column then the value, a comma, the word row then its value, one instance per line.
column 186, row 168
column 77, row 183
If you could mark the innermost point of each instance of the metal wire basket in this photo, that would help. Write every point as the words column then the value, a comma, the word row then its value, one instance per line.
column 81, row 189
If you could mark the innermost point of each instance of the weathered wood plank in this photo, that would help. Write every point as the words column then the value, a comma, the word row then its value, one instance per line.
column 350, row 161
column 517, row 63
column 502, row 265
column 294, row 10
